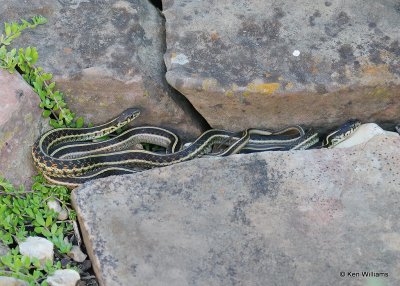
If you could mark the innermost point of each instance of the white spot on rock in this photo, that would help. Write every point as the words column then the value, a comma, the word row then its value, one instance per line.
column 296, row 53
column 180, row 59
column 64, row 277
column 38, row 247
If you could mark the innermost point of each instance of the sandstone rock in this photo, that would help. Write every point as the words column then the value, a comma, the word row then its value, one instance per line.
column 20, row 125
column 38, row 247
column 274, row 63
column 64, row 277
column 76, row 254
column 106, row 56
column 10, row 281
column 363, row 134
column 289, row 218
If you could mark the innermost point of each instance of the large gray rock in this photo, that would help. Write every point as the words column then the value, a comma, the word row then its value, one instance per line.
column 20, row 125
column 273, row 63
column 279, row 218
column 106, row 56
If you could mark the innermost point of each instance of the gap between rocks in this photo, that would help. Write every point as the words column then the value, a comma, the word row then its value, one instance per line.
column 157, row 4
column 177, row 96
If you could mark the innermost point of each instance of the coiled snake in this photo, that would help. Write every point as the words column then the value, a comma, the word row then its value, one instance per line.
column 67, row 156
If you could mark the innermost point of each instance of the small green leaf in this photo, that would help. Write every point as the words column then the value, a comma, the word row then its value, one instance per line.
column 7, row 29
column 15, row 27
column 7, row 260
column 46, row 232
column 35, row 261
column 26, row 261
column 51, row 85
column 28, row 52
column 48, row 264
column 36, row 274
column 79, row 122
column 16, row 210
column 38, row 20
column 47, row 76
column 17, row 263
column 34, row 55
column 53, row 229
column 6, row 42
column 54, row 123
column 40, row 220
column 46, row 113
column 59, row 231
column 29, row 212
column 49, row 221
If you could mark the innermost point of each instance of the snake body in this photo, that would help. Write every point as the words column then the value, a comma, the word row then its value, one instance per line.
column 68, row 156
column 341, row 134
column 126, row 140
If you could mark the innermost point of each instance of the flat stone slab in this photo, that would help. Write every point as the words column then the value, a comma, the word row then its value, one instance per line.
column 106, row 56
column 21, row 123
column 277, row 218
column 273, row 63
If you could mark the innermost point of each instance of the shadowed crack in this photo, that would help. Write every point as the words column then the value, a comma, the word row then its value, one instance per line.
column 157, row 4
column 175, row 95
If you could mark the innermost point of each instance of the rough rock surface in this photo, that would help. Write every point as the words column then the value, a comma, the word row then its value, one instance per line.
column 274, row 63
column 106, row 56
column 288, row 218
column 20, row 125
column 10, row 281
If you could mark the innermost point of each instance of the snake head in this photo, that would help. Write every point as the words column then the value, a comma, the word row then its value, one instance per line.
column 128, row 115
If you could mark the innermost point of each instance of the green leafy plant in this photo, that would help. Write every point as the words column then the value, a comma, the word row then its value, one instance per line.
column 26, row 213
column 13, row 30
column 23, row 212
column 24, row 60
column 27, row 269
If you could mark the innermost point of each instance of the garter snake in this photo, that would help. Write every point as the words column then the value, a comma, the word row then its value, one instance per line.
column 126, row 140
column 67, row 157
column 341, row 134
